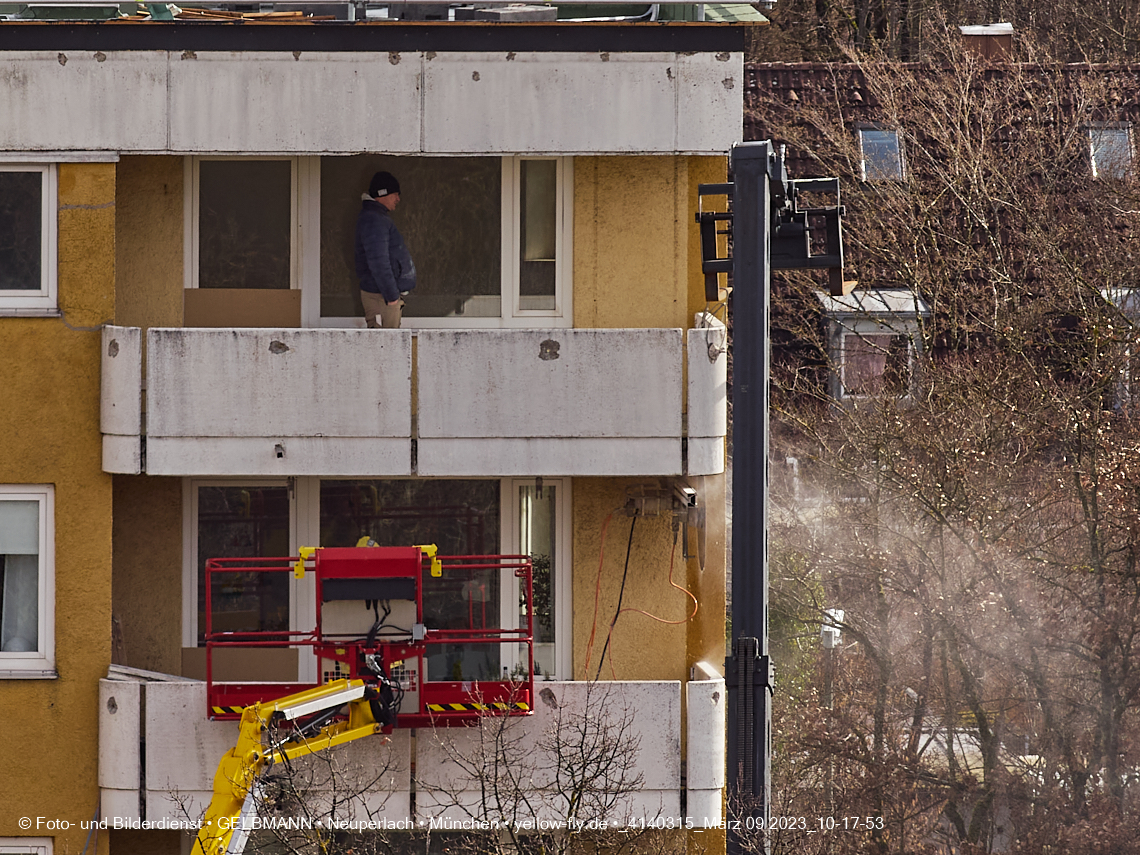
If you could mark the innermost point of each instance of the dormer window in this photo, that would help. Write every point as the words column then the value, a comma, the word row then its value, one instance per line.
column 1126, row 399
column 989, row 41
column 881, row 154
column 1110, row 151
column 872, row 341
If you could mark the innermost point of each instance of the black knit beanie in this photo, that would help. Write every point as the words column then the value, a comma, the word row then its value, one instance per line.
column 382, row 184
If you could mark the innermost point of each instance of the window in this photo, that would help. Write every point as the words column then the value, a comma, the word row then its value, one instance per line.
column 541, row 530
column 1110, row 151
column 27, row 237
column 881, row 155
column 466, row 517
column 243, row 223
column 459, row 517
column 537, row 230
column 25, row 846
column 872, row 340
column 27, row 581
column 489, row 237
column 1126, row 396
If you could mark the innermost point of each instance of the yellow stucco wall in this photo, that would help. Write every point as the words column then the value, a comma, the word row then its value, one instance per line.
column 148, row 511
column 147, row 589
column 149, row 242
column 637, row 264
column 658, row 636
column 50, row 425
column 702, row 170
column 626, row 272
column 640, row 648
column 636, row 246
column 706, row 632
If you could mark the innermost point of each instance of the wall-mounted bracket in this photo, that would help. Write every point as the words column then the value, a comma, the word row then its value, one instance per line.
column 801, row 238
column 711, row 265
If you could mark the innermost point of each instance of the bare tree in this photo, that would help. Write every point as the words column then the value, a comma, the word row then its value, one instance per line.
column 980, row 533
column 829, row 30
column 332, row 801
column 569, row 787
column 565, row 781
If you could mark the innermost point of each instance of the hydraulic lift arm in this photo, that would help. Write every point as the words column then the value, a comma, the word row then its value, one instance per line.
column 308, row 722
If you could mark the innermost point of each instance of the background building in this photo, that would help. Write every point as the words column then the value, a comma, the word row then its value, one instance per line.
column 955, row 445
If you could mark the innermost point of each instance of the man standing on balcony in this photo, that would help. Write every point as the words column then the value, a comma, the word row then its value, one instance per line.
column 383, row 263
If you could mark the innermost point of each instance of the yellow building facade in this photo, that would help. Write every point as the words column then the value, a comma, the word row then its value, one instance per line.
column 50, row 744
column 124, row 511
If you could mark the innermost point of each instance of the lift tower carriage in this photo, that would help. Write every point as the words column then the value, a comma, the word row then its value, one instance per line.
column 413, row 626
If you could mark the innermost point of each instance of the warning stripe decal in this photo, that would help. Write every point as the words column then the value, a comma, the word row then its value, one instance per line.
column 438, row 708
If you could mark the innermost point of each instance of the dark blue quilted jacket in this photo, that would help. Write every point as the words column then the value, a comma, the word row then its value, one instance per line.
column 383, row 262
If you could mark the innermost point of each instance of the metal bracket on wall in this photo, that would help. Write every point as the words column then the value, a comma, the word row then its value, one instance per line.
column 802, row 237
column 711, row 265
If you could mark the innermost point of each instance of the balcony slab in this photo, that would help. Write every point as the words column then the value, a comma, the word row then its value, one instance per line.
column 225, row 402
column 158, row 755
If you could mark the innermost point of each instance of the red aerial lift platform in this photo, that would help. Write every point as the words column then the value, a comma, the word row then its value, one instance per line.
column 413, row 626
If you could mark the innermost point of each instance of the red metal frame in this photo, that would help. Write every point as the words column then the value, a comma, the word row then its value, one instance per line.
column 359, row 569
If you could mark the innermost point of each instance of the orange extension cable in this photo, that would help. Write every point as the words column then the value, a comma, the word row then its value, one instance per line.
column 597, row 594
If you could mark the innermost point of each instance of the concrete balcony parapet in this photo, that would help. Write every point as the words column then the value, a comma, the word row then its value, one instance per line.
column 339, row 402
column 604, row 752
column 706, row 702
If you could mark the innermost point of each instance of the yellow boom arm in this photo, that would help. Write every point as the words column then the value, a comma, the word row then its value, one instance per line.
column 224, row 829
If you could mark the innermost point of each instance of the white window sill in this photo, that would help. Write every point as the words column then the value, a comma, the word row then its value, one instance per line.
column 28, row 674
column 30, row 313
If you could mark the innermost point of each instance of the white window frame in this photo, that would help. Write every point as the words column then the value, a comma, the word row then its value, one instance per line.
column 510, row 316
column 890, row 311
column 1109, row 127
column 1127, row 396
column 26, row 846
column 41, row 663
column 46, row 299
column 563, row 588
column 299, row 187
column 881, row 129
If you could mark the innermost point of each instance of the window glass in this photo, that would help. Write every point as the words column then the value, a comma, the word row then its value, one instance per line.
column 1111, row 152
column 875, row 363
column 25, row 846
column 459, row 517
column 538, row 233
column 244, row 223
column 449, row 215
column 243, row 522
column 19, row 577
column 882, row 154
column 21, row 231
column 537, row 530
